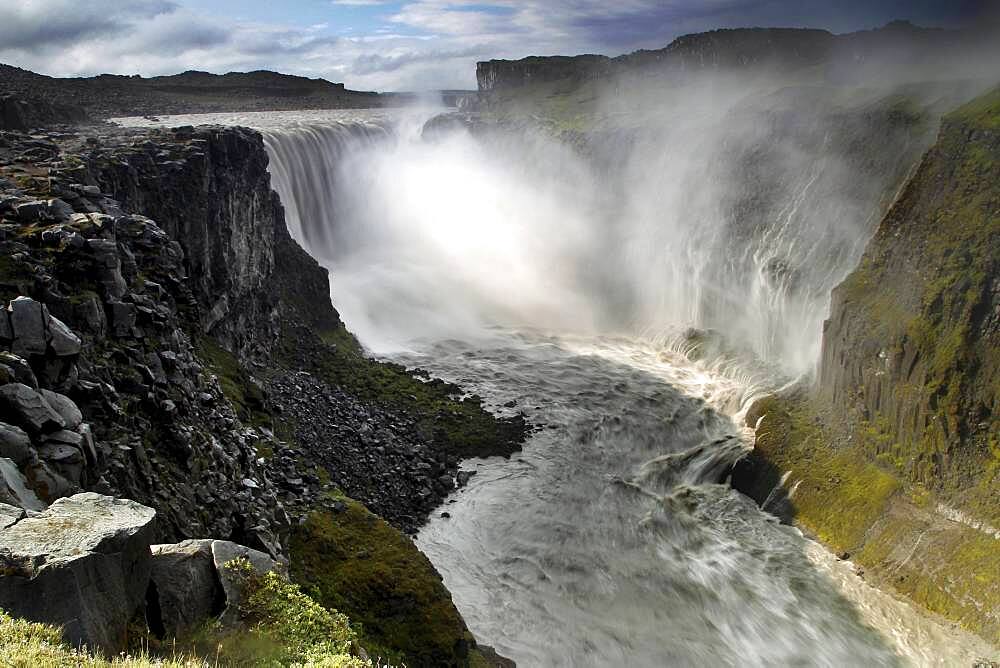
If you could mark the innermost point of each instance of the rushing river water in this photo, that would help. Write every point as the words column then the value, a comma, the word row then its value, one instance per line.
column 607, row 542
column 611, row 540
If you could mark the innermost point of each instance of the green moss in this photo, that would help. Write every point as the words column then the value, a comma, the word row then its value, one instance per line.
column 356, row 563
column 962, row 585
column 284, row 627
column 246, row 395
column 839, row 494
column 983, row 112
column 888, row 525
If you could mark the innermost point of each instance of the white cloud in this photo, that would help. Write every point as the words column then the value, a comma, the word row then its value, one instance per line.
column 431, row 43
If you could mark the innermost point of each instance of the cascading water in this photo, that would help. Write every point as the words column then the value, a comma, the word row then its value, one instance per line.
column 562, row 287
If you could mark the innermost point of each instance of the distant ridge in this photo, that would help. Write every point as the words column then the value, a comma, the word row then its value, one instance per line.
column 109, row 95
column 862, row 54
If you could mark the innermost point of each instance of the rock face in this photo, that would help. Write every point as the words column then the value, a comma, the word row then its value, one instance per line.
column 893, row 455
column 213, row 194
column 912, row 346
column 83, row 563
column 25, row 113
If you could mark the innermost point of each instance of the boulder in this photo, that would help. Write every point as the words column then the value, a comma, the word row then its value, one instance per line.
column 223, row 552
column 65, row 458
column 27, row 319
column 82, row 564
column 188, row 590
column 14, row 443
column 28, row 409
column 35, row 331
column 20, row 368
column 66, row 408
column 62, row 340
column 14, row 489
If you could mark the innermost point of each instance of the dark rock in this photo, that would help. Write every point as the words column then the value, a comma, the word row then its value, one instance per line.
column 21, row 368
column 188, row 590
column 60, row 403
column 82, row 564
column 29, row 409
column 14, row 444
column 27, row 319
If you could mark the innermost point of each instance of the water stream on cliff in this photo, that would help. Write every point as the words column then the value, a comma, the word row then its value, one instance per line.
column 507, row 265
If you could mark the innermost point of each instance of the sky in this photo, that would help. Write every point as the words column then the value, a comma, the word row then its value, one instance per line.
column 390, row 45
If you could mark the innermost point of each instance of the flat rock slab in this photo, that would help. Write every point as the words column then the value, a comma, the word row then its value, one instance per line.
column 82, row 564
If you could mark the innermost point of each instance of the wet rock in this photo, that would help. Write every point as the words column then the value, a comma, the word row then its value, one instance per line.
column 82, row 564
column 28, row 409
column 188, row 590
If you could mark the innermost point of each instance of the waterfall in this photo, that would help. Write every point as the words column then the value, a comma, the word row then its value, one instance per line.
column 740, row 219
column 304, row 163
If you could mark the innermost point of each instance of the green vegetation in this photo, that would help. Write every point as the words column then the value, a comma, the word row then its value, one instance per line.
column 286, row 627
column 839, row 494
column 941, row 233
column 246, row 395
column 279, row 626
column 356, row 563
column 887, row 524
column 983, row 112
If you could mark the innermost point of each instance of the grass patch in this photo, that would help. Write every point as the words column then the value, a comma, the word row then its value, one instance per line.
column 279, row 626
column 356, row 563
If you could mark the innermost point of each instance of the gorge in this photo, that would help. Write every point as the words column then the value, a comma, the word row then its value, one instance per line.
column 651, row 306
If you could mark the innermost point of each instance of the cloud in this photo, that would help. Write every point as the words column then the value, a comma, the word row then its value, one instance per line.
column 39, row 25
column 421, row 43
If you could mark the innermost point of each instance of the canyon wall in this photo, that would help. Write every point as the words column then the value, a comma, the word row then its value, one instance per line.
column 893, row 457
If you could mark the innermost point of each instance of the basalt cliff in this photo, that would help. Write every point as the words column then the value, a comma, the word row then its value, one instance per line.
column 891, row 456
column 164, row 340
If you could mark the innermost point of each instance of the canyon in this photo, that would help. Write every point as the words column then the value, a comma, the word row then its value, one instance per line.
column 541, row 335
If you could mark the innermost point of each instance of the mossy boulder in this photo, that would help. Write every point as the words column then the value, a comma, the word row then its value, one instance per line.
column 356, row 563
